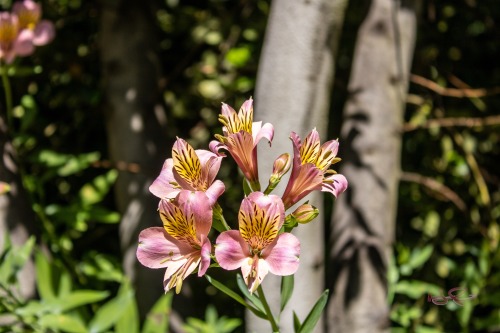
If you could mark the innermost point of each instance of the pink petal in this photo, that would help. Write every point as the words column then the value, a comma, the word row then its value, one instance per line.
column 215, row 146
column 210, row 164
column 196, row 204
column 258, row 132
column 44, row 33
column 157, row 249
column 296, row 143
column 206, row 249
column 271, row 204
column 241, row 148
column 306, row 179
column 23, row 45
column 171, row 270
column 214, row 191
column 262, row 268
column 227, row 111
column 27, row 6
column 231, row 250
column 338, row 186
column 332, row 145
column 162, row 187
column 283, row 254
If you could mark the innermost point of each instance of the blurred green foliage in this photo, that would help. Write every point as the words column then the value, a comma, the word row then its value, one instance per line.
column 209, row 52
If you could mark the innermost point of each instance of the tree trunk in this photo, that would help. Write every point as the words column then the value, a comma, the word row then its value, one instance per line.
column 364, row 217
column 16, row 216
column 293, row 93
column 135, row 122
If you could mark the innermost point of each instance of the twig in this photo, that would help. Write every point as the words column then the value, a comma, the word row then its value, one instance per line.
column 454, row 122
column 118, row 165
column 435, row 186
column 453, row 92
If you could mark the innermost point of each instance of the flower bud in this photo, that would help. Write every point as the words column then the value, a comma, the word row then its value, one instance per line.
column 280, row 167
column 305, row 213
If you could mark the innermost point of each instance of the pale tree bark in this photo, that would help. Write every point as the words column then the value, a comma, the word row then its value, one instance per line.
column 364, row 217
column 135, row 122
column 293, row 93
column 17, row 219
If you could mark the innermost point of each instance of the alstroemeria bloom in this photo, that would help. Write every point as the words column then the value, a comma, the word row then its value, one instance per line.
column 182, row 244
column 13, row 41
column 257, row 247
column 189, row 169
column 240, row 139
column 311, row 168
column 29, row 14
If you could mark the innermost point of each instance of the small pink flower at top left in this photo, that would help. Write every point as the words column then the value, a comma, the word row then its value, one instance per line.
column 29, row 14
column 182, row 245
column 14, row 41
column 189, row 169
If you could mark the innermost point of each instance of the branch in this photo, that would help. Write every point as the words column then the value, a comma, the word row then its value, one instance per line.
column 454, row 122
column 453, row 92
column 435, row 186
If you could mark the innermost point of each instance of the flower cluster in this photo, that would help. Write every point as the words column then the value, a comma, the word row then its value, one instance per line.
column 188, row 194
column 22, row 29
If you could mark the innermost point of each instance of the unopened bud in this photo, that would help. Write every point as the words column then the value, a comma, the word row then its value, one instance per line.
column 305, row 213
column 280, row 167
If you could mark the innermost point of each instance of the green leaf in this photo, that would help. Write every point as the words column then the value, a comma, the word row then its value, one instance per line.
column 287, row 283
column 62, row 322
column 296, row 323
column 14, row 260
column 234, row 296
column 110, row 313
column 251, row 297
column 44, row 277
column 95, row 191
column 81, row 297
column 34, row 308
column 129, row 322
column 418, row 258
column 246, row 187
column 157, row 318
column 416, row 289
column 313, row 316
column 238, row 56
column 65, row 284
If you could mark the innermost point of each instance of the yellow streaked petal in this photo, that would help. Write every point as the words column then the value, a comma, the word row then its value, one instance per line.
column 257, row 227
column 245, row 115
column 179, row 226
column 187, row 164
column 310, row 149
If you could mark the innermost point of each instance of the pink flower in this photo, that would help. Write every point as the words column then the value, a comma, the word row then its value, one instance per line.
column 240, row 138
column 182, row 244
column 257, row 247
column 14, row 41
column 189, row 169
column 310, row 171
column 29, row 14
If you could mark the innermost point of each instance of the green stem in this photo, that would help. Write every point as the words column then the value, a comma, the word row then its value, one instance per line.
column 8, row 96
column 220, row 216
column 269, row 314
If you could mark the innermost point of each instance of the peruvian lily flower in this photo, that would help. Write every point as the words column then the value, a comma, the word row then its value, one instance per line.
column 182, row 244
column 29, row 14
column 240, row 138
column 311, row 169
column 189, row 169
column 14, row 41
column 257, row 247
